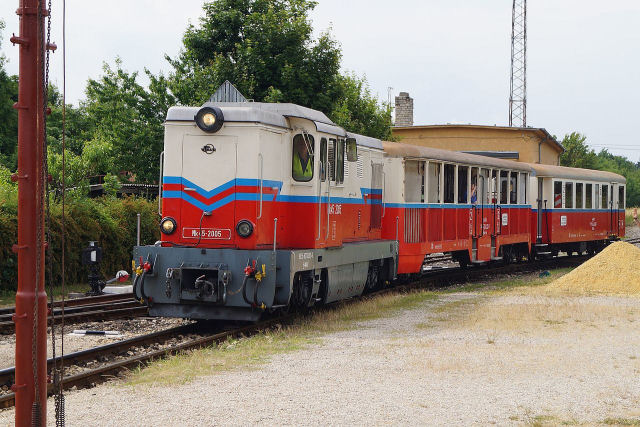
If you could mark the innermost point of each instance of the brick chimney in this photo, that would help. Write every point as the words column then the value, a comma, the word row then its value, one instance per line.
column 404, row 110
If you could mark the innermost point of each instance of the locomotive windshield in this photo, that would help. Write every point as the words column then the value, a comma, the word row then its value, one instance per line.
column 302, row 164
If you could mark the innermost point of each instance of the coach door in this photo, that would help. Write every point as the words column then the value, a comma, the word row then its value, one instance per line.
column 208, row 188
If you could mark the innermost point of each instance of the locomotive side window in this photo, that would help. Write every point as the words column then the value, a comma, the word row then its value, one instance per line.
column 513, row 188
column 449, row 183
column 340, row 162
column 323, row 159
column 302, row 159
column 605, row 197
column 504, row 186
column 331, row 159
column 588, row 193
column 557, row 194
column 568, row 195
column 463, row 184
column 579, row 195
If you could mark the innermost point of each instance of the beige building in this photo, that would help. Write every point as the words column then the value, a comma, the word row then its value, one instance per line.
column 531, row 145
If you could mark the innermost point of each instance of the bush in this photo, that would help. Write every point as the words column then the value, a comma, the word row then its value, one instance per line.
column 108, row 220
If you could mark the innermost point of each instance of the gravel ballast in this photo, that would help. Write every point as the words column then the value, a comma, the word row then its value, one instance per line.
column 468, row 358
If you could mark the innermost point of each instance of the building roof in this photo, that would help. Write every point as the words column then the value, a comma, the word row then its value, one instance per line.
column 398, row 149
column 541, row 132
column 576, row 173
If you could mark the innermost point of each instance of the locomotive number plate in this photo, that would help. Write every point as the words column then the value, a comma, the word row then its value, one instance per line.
column 207, row 233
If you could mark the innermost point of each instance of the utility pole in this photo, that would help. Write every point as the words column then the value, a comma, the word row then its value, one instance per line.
column 30, row 316
column 518, row 95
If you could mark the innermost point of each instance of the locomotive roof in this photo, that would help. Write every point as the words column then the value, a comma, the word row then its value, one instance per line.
column 274, row 114
column 397, row 149
column 552, row 171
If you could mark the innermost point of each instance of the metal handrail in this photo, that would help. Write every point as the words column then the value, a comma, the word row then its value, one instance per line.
column 384, row 192
column 320, row 202
column 328, row 201
column 160, row 184
column 261, row 183
column 275, row 233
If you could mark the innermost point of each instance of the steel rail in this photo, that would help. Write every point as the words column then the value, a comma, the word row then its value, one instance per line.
column 107, row 372
column 80, row 301
column 7, row 327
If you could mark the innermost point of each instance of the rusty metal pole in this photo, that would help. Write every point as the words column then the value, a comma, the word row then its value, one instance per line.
column 31, row 335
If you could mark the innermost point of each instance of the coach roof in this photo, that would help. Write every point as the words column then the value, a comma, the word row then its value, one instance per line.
column 550, row 171
column 396, row 149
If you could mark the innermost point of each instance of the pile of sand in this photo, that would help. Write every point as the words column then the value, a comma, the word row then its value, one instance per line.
column 615, row 270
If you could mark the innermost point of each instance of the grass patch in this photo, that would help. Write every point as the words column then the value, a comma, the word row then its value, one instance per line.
column 248, row 352
column 510, row 283
column 622, row 422
column 8, row 298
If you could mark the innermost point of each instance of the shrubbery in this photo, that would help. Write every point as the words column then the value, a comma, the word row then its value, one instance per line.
column 108, row 220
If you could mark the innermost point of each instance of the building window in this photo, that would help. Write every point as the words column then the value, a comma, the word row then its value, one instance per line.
column 302, row 163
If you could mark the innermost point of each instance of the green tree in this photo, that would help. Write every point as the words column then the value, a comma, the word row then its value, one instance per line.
column 577, row 153
column 266, row 48
column 128, row 136
column 8, row 115
column 359, row 111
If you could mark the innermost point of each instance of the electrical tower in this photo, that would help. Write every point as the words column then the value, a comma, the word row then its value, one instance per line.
column 518, row 95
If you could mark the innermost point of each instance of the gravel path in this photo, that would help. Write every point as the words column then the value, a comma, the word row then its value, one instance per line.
column 465, row 359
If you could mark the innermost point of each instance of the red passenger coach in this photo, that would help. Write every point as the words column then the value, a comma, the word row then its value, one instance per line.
column 474, row 207
column 581, row 209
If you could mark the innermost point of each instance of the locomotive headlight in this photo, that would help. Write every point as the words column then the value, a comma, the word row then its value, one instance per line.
column 168, row 225
column 244, row 228
column 209, row 119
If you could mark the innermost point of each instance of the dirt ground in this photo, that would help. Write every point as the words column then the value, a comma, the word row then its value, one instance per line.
column 509, row 357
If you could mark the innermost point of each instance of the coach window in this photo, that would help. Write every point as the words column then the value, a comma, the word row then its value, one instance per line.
column 513, row 188
column 588, row 196
column 504, row 187
column 463, row 184
column 522, row 198
column 605, row 197
column 568, row 195
column 579, row 195
column 435, row 169
column 621, row 200
column 557, row 194
column 302, row 159
column 449, row 183
column 473, row 192
column 596, row 197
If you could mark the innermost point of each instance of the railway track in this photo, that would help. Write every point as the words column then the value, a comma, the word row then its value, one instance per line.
column 110, row 370
column 635, row 241
column 104, row 307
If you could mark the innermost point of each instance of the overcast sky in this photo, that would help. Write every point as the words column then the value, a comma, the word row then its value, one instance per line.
column 452, row 56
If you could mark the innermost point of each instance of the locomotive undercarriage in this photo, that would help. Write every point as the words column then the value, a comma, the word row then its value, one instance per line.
column 237, row 284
